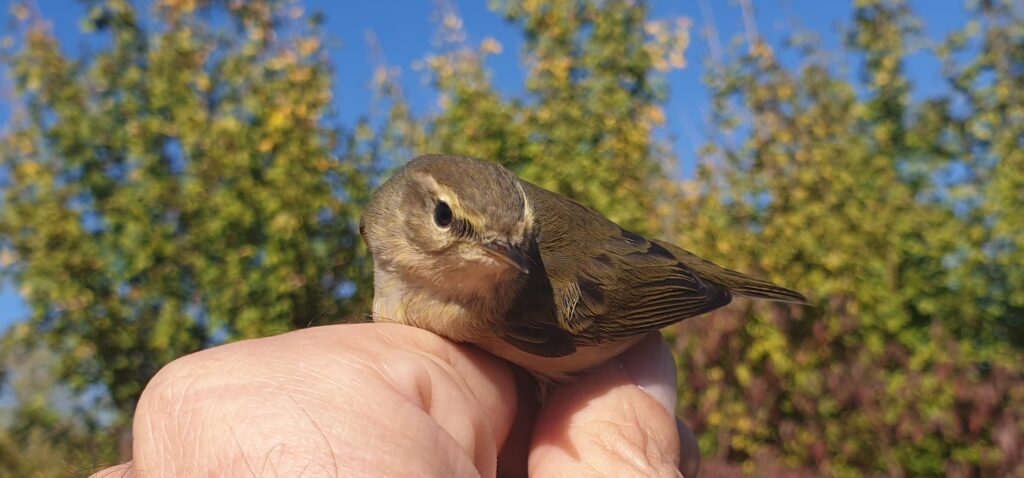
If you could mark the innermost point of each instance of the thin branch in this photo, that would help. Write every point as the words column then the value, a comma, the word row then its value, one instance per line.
column 714, row 42
column 749, row 24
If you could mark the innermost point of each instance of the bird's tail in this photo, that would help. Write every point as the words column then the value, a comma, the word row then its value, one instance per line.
column 736, row 282
column 741, row 284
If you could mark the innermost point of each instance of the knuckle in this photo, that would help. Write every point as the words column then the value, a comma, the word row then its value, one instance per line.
column 181, row 383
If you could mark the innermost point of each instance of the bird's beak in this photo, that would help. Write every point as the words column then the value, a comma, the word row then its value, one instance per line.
column 504, row 252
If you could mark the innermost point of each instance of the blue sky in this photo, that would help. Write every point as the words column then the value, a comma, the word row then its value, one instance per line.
column 404, row 32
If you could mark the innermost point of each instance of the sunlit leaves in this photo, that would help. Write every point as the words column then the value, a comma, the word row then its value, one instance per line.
column 887, row 212
column 594, row 94
column 178, row 188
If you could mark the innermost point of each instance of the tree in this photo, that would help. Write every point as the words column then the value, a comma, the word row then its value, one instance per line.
column 52, row 431
column 177, row 188
column 595, row 89
column 985, row 69
column 888, row 212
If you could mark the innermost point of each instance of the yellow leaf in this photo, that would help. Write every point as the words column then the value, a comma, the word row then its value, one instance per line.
column 185, row 6
column 677, row 60
column 6, row 258
column 25, row 145
column 308, row 46
column 282, row 61
column 653, row 27
column 29, row 169
column 266, row 145
column 300, row 75
column 762, row 50
column 656, row 114
column 279, row 118
column 490, row 45
column 203, row 82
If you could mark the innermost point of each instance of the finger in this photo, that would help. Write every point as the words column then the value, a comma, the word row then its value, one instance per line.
column 617, row 420
column 368, row 399
column 689, row 450
column 514, row 453
column 472, row 394
column 123, row 470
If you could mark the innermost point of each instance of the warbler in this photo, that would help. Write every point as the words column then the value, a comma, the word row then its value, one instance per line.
column 465, row 249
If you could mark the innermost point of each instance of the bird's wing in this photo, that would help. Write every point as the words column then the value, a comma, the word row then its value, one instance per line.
column 609, row 283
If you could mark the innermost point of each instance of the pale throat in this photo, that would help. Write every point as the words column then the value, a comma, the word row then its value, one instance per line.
column 464, row 305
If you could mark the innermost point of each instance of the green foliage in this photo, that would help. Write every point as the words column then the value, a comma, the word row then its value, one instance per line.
column 594, row 96
column 53, row 431
column 902, row 223
column 177, row 188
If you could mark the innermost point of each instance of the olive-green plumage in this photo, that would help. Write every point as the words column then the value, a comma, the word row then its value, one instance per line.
column 466, row 249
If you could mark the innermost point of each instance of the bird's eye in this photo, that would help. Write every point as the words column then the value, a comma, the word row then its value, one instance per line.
column 442, row 215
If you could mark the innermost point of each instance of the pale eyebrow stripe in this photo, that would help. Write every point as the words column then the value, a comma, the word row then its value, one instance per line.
column 527, row 209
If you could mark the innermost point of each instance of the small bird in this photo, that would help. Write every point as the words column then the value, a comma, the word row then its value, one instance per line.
column 465, row 249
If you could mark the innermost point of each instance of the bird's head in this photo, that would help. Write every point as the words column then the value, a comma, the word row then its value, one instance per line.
column 453, row 221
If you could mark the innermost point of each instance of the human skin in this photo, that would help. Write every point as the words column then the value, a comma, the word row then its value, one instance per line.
column 392, row 400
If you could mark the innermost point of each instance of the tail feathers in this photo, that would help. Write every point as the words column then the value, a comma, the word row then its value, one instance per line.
column 737, row 283
column 748, row 286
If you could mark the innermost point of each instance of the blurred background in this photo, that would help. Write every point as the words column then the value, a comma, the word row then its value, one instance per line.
column 176, row 174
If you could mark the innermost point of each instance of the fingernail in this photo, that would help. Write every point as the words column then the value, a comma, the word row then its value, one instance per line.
column 651, row 367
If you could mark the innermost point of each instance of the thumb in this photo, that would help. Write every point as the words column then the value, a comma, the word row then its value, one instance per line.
column 617, row 420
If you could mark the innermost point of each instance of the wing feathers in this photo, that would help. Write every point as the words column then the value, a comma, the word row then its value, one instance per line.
column 607, row 283
column 646, row 289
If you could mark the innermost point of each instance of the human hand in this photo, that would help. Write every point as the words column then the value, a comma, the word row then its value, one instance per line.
column 392, row 400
